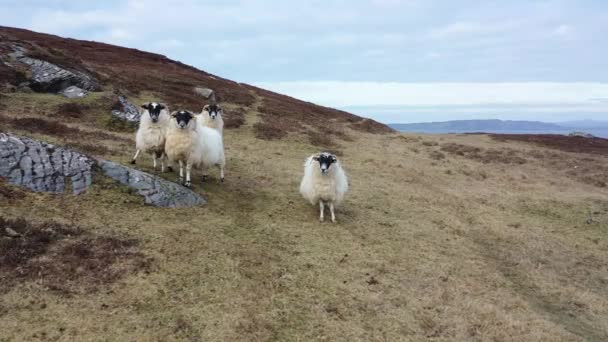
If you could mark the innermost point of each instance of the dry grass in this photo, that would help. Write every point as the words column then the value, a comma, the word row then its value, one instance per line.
column 419, row 253
column 64, row 259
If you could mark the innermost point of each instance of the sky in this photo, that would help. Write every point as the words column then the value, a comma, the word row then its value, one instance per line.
column 392, row 60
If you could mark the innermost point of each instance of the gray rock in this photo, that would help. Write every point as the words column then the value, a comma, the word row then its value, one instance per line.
column 45, row 76
column 129, row 112
column 73, row 92
column 50, row 78
column 26, row 162
column 156, row 191
column 43, row 167
column 204, row 92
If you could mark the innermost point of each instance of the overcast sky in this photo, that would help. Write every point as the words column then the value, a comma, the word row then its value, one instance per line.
column 393, row 60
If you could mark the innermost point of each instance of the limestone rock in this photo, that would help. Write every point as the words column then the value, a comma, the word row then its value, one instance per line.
column 73, row 92
column 43, row 167
column 128, row 111
column 156, row 191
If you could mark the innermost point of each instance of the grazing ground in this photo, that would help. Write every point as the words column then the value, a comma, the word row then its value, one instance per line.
column 442, row 237
column 447, row 237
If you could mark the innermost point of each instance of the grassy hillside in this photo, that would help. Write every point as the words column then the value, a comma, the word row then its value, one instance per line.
column 446, row 237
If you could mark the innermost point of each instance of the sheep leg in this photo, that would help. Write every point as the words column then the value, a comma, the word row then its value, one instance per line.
column 322, row 209
column 154, row 159
column 181, row 172
column 135, row 156
column 331, row 209
column 169, row 164
column 222, row 173
column 188, row 169
column 205, row 170
column 162, row 163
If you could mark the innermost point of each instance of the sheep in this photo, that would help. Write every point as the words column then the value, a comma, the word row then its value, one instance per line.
column 324, row 182
column 150, row 136
column 212, row 117
column 210, row 149
column 182, row 143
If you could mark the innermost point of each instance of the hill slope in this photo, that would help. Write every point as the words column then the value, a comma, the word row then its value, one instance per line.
column 457, row 126
column 442, row 237
column 135, row 72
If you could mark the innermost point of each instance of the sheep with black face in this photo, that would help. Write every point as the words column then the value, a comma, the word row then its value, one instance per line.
column 324, row 182
column 182, row 143
column 212, row 117
column 150, row 136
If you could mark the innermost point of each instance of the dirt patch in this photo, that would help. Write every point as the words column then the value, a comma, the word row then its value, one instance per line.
column 64, row 259
column 486, row 156
column 560, row 142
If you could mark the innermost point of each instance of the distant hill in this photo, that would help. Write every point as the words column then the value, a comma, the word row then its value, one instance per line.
column 477, row 126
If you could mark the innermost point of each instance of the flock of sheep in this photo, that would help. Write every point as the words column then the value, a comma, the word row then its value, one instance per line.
column 196, row 140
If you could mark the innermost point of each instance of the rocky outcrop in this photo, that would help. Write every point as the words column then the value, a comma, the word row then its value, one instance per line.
column 43, row 167
column 50, row 78
column 126, row 111
column 156, row 191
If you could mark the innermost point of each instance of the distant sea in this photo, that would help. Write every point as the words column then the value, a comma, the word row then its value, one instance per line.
column 599, row 132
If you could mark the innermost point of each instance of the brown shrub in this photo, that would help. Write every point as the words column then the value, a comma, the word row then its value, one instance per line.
column 87, row 148
column 70, row 110
column 64, row 259
column 10, row 192
column 436, row 155
column 234, row 118
column 559, row 142
column 320, row 139
column 486, row 156
column 55, row 128
column 269, row 130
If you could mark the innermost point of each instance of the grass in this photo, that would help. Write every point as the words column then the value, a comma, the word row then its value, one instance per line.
column 419, row 252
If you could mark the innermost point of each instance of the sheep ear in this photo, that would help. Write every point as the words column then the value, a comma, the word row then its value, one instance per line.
column 145, row 106
column 206, row 107
column 162, row 106
column 315, row 158
column 174, row 114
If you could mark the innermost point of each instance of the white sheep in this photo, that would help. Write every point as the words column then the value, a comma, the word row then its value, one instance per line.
column 210, row 149
column 150, row 136
column 324, row 181
column 212, row 117
column 182, row 143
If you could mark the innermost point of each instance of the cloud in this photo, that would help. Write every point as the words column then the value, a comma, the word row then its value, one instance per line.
column 337, row 93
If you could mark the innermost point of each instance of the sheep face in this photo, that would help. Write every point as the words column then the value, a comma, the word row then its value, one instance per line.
column 183, row 118
column 325, row 161
column 153, row 109
column 213, row 110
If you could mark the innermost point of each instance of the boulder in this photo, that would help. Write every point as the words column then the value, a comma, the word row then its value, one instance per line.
column 126, row 110
column 43, row 167
column 73, row 92
column 50, row 78
column 156, row 191
column 204, row 92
